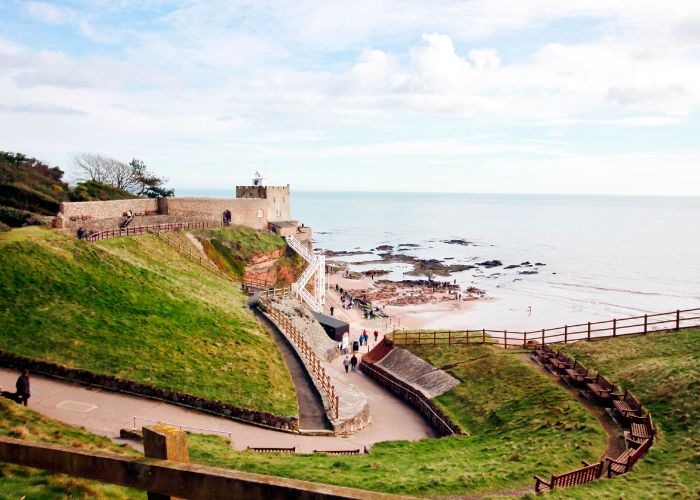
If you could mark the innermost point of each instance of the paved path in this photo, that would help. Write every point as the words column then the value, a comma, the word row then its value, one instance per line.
column 312, row 414
column 104, row 412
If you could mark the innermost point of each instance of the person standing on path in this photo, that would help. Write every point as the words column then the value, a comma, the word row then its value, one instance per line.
column 23, row 389
column 332, row 309
column 346, row 364
column 376, row 336
column 353, row 363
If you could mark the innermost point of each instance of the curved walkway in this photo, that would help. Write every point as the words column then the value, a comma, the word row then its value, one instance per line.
column 312, row 414
column 105, row 413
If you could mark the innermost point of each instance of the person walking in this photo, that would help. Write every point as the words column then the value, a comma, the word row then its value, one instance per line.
column 376, row 335
column 353, row 362
column 332, row 309
column 346, row 363
column 23, row 389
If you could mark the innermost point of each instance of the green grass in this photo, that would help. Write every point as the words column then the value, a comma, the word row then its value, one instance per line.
column 17, row 482
column 101, row 307
column 243, row 242
column 663, row 371
column 520, row 424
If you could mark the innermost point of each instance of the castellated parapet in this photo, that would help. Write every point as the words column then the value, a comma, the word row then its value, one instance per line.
column 254, row 206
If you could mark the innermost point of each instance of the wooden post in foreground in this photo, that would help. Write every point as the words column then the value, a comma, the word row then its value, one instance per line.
column 166, row 443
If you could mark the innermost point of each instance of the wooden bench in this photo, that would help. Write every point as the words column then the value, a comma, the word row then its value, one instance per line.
column 629, row 457
column 641, row 428
column 543, row 353
column 587, row 474
column 339, row 452
column 273, row 450
column 560, row 362
column 577, row 374
column 627, row 405
column 601, row 388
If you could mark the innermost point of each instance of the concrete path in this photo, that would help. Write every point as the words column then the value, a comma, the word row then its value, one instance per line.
column 105, row 413
column 312, row 414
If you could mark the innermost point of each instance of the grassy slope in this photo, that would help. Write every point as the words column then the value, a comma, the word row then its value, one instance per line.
column 233, row 246
column 514, row 413
column 663, row 371
column 21, row 482
column 243, row 242
column 100, row 307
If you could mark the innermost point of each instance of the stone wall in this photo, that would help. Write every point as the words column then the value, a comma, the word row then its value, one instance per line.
column 77, row 213
column 245, row 212
column 112, row 383
column 353, row 407
column 370, row 366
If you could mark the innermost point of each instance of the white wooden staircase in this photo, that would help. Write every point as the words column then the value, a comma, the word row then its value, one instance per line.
column 317, row 266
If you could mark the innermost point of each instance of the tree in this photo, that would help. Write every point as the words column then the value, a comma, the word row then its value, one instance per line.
column 94, row 167
column 134, row 177
column 147, row 183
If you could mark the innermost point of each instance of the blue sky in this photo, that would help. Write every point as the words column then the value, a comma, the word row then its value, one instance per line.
column 517, row 96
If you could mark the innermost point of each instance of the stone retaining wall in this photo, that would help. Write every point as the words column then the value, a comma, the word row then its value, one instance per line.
column 405, row 390
column 353, row 407
column 109, row 382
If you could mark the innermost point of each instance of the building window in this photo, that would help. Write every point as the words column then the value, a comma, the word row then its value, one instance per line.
column 277, row 212
column 260, row 213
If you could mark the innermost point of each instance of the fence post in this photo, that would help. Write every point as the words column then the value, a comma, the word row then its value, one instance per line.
column 542, row 336
column 566, row 334
column 678, row 319
column 336, row 407
column 449, row 337
column 434, row 337
column 165, row 442
column 524, row 340
column 589, row 330
column 645, row 323
column 614, row 327
column 505, row 339
column 483, row 335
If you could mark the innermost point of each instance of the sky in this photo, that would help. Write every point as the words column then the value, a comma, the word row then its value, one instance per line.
column 484, row 96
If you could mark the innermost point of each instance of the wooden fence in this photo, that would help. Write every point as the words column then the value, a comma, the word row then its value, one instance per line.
column 618, row 327
column 132, row 231
column 170, row 477
column 313, row 363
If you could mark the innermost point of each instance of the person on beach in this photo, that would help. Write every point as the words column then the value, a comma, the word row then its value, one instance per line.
column 332, row 309
column 362, row 337
column 376, row 336
column 346, row 363
column 23, row 389
column 353, row 362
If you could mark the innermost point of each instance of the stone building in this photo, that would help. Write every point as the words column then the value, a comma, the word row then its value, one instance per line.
column 254, row 206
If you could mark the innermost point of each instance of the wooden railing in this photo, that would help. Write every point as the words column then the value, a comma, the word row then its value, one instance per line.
column 313, row 363
column 187, row 252
column 132, row 231
column 618, row 327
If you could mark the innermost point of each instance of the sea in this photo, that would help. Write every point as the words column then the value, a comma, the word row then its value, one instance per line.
column 603, row 256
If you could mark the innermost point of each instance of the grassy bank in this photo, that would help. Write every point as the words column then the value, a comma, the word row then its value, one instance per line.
column 232, row 248
column 19, row 422
column 663, row 371
column 135, row 308
column 520, row 424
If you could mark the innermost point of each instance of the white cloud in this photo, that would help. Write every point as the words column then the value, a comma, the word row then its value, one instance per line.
column 48, row 13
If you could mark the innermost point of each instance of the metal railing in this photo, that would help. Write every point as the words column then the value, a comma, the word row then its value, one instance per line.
column 313, row 363
column 618, row 327
column 183, row 427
